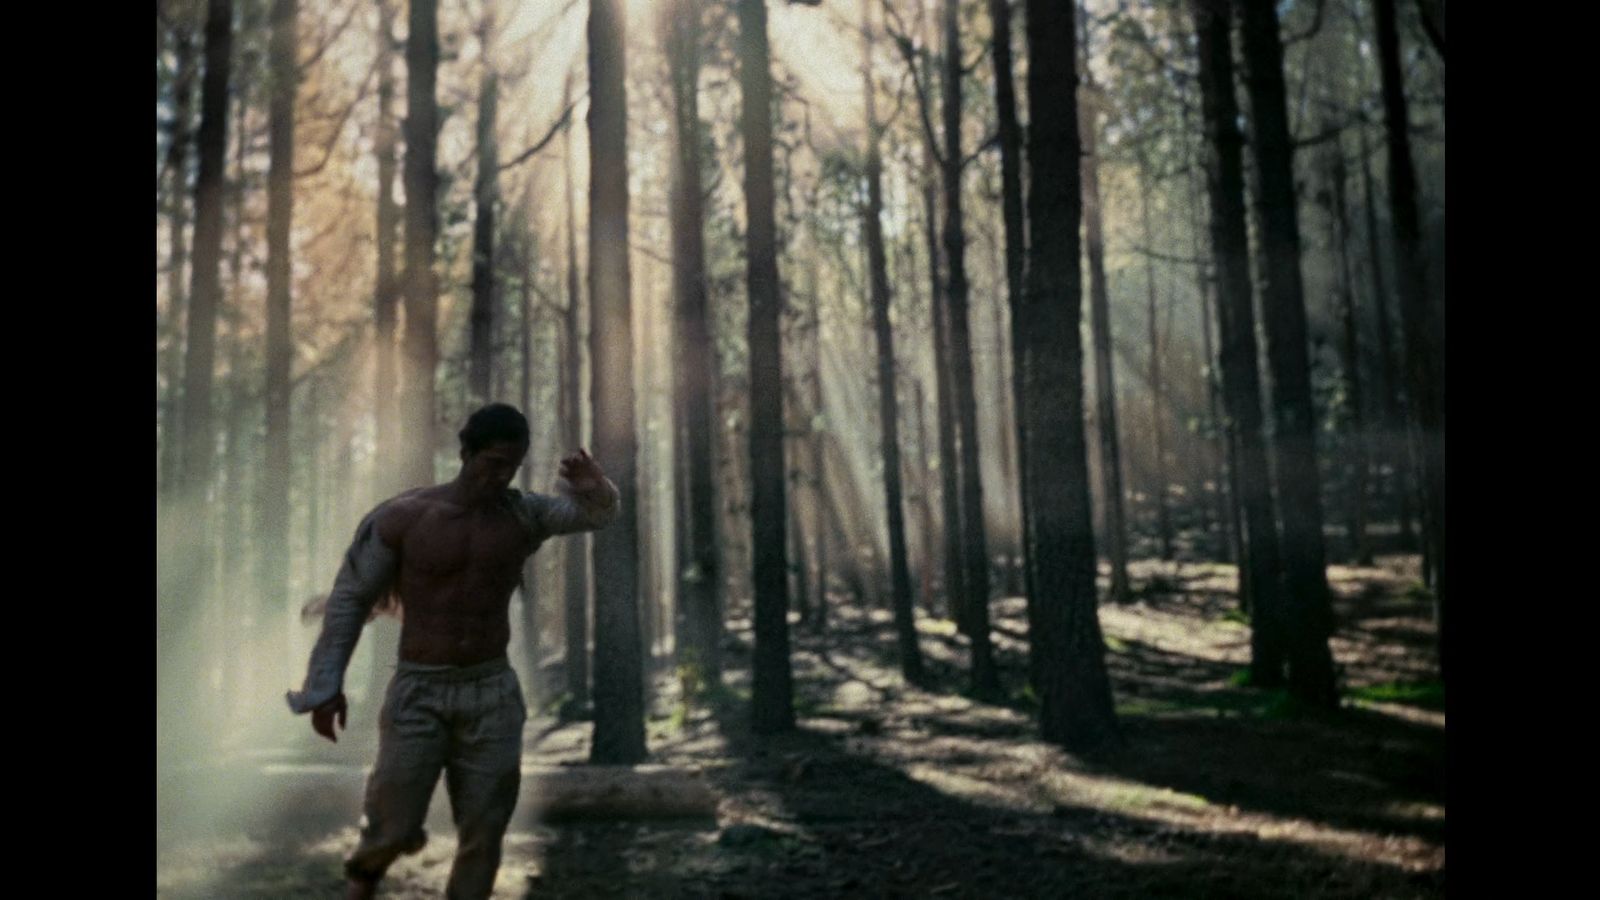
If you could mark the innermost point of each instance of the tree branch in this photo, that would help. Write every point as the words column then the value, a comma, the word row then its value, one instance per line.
column 316, row 54
column 555, row 129
column 1330, row 133
column 988, row 143
column 338, row 128
column 1164, row 257
column 1433, row 23
column 1311, row 30
column 908, row 51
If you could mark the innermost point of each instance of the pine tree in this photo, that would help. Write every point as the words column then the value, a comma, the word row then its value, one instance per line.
column 1241, row 383
column 1308, row 615
column 701, row 574
column 888, row 403
column 420, row 344
column 772, row 691
column 618, row 652
column 1075, row 709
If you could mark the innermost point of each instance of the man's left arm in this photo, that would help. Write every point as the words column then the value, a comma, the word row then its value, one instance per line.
column 572, row 510
column 585, row 499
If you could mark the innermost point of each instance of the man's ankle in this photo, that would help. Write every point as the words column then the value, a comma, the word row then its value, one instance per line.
column 360, row 888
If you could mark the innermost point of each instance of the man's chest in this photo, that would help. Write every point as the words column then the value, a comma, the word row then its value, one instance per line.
column 443, row 543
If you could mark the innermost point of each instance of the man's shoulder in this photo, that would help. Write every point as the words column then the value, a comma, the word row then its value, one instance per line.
column 395, row 516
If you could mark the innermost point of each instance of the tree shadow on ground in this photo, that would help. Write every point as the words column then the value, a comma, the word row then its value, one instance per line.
column 850, row 810
column 893, row 790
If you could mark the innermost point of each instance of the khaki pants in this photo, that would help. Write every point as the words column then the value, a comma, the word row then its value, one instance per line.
column 467, row 722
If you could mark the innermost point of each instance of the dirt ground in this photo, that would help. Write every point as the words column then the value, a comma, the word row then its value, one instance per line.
column 891, row 791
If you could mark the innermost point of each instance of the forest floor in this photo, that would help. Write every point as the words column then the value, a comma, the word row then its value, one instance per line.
column 888, row 790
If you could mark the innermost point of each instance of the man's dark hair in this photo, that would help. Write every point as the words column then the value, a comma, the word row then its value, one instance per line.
column 492, row 424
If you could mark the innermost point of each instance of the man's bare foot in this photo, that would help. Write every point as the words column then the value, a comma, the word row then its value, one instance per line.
column 357, row 889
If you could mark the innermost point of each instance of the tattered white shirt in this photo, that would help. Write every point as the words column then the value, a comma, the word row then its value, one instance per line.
column 371, row 566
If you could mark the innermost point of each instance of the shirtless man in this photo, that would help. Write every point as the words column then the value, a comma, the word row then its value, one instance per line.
column 453, row 553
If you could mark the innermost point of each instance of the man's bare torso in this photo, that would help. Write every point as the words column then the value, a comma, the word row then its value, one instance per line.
column 458, row 567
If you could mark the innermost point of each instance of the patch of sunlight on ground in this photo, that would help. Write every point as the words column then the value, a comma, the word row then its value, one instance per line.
column 1411, row 714
column 1412, row 809
column 853, row 694
column 1057, row 786
column 1190, row 811
column 975, row 790
column 1121, row 795
column 1176, row 633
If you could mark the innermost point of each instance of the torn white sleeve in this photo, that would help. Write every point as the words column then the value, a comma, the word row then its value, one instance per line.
column 568, row 511
column 367, row 573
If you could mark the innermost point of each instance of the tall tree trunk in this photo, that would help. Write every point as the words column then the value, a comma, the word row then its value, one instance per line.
column 177, row 259
column 1116, row 529
column 525, row 319
column 618, row 673
column 1228, row 513
column 1224, row 467
column 949, row 460
column 700, row 578
column 205, row 275
column 272, row 528
column 1390, row 387
column 1157, row 413
column 235, row 532
column 772, row 700
column 1424, row 347
column 1006, row 424
column 975, row 566
column 888, row 402
column 485, row 192
column 384, row 636
column 649, row 589
column 925, row 504
column 1241, row 380
column 386, row 297
column 797, row 449
column 575, row 553
column 310, row 473
column 420, row 346
column 1064, row 628
column 1355, row 426
column 1309, row 613
column 1010, row 135
column 820, row 496
column 184, row 582
column 949, row 465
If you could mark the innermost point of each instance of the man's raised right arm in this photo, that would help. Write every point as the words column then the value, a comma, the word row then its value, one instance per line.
column 370, row 568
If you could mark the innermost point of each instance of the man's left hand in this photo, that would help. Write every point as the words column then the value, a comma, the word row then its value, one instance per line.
column 582, row 472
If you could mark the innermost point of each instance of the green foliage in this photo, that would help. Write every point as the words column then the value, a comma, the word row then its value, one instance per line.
column 1144, row 707
column 1240, row 678
column 1026, row 698
column 691, row 676
column 1236, row 615
column 1280, row 704
column 1221, row 704
column 1428, row 694
column 1115, row 644
column 1419, row 592
column 671, row 725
